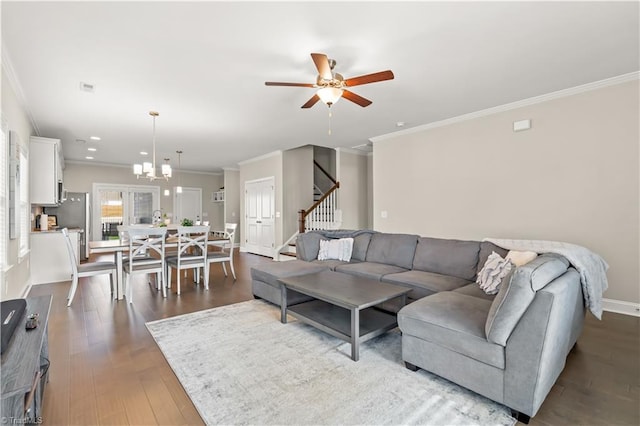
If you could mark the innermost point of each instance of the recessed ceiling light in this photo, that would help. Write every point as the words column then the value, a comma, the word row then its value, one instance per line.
column 91, row 149
column 400, row 124
column 95, row 138
column 89, row 157
column 144, row 153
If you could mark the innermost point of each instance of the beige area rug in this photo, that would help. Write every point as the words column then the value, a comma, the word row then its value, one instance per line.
column 240, row 365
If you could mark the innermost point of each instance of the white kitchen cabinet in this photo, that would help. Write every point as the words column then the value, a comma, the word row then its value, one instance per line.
column 50, row 257
column 45, row 165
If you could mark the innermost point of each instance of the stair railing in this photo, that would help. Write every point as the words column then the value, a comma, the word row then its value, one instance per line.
column 322, row 214
column 278, row 251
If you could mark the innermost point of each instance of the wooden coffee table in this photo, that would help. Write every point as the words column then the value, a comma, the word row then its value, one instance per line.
column 343, row 305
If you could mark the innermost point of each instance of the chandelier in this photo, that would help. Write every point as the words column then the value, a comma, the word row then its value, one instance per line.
column 150, row 168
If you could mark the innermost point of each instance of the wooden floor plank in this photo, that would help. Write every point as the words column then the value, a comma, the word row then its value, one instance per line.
column 106, row 368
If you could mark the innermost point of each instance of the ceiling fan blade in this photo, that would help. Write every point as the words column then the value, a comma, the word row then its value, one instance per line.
column 357, row 99
column 322, row 64
column 311, row 102
column 369, row 78
column 275, row 83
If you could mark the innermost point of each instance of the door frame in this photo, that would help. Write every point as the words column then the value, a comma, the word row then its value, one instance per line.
column 272, row 181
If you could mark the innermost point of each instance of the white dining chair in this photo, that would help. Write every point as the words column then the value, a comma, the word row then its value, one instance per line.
column 191, row 253
column 88, row 269
column 146, row 256
column 225, row 255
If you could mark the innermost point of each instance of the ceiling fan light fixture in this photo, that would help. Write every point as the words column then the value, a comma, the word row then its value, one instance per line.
column 137, row 169
column 330, row 95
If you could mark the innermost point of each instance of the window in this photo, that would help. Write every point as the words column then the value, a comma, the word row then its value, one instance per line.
column 25, row 210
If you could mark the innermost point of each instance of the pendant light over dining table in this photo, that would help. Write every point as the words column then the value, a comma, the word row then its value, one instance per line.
column 150, row 168
column 179, row 187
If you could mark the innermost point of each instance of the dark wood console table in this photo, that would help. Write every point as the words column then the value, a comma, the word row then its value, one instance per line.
column 25, row 367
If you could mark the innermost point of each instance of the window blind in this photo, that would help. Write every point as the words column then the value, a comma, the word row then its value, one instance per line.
column 4, row 201
column 25, row 211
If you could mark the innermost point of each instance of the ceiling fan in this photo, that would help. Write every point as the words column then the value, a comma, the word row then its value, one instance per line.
column 332, row 86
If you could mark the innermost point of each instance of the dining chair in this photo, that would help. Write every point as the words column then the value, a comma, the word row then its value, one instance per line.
column 191, row 253
column 226, row 253
column 146, row 256
column 88, row 269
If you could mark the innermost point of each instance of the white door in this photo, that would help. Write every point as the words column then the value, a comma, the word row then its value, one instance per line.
column 187, row 205
column 259, row 212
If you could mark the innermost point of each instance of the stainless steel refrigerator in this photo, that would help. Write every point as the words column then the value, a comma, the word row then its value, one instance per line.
column 75, row 212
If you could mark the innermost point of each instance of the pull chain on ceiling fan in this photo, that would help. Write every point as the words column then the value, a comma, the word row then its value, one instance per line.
column 332, row 86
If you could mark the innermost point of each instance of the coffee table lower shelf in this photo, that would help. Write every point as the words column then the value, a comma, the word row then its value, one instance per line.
column 339, row 322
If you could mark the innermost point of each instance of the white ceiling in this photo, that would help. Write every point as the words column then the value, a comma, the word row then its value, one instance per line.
column 203, row 65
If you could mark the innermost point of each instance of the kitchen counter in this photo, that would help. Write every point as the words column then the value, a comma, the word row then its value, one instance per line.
column 50, row 257
column 37, row 231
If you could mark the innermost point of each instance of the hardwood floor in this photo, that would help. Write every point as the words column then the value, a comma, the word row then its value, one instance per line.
column 106, row 368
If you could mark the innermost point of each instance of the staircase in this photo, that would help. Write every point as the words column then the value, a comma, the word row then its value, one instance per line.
column 323, row 214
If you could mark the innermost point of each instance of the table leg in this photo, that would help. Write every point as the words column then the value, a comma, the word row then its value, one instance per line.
column 120, row 292
column 283, row 304
column 355, row 334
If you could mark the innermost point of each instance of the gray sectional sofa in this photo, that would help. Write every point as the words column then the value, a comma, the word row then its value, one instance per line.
column 509, row 347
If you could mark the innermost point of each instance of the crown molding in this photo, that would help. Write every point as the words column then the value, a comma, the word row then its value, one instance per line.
column 14, row 82
column 122, row 166
column 353, row 151
column 261, row 157
column 624, row 78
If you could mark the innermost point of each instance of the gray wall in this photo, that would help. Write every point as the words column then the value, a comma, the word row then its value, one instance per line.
column 16, row 279
column 573, row 177
column 297, row 169
column 232, row 199
column 353, row 197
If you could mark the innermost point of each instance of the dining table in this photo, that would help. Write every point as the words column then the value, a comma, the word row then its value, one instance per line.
column 121, row 245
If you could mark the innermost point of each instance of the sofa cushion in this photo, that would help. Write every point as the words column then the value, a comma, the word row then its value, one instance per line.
column 392, row 249
column 360, row 246
column 454, row 321
column 308, row 245
column 447, row 257
column 333, row 263
column 425, row 283
column 517, row 292
column 475, row 291
column 272, row 271
column 486, row 248
column 371, row 270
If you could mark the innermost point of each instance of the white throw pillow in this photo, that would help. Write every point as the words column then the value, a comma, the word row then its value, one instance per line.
column 520, row 258
column 338, row 249
column 494, row 270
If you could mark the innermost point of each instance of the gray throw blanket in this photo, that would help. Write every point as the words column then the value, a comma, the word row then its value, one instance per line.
column 592, row 267
column 342, row 233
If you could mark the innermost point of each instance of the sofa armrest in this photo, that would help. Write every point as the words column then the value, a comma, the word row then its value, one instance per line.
column 538, row 346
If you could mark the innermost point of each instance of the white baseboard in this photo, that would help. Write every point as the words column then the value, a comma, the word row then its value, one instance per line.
column 621, row 307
